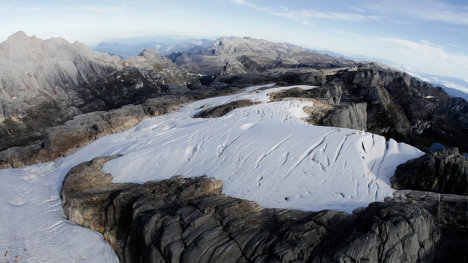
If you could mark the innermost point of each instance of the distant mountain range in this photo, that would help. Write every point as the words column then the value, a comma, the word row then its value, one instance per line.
column 164, row 46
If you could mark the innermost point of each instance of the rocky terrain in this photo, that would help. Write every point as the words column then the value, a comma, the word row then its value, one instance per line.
column 56, row 97
column 445, row 171
column 402, row 107
column 45, row 83
column 189, row 220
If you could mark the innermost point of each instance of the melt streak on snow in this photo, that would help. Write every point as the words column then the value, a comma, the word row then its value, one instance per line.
column 264, row 153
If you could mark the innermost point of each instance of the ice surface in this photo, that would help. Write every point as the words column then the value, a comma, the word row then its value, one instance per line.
column 264, row 153
column 32, row 224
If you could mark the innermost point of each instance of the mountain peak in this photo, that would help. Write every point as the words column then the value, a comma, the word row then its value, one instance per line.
column 19, row 34
column 19, row 37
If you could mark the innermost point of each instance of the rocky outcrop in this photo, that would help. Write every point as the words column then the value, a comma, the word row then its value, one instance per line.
column 352, row 116
column 64, row 139
column 444, row 171
column 321, row 94
column 405, row 108
column 221, row 110
column 232, row 67
column 189, row 220
column 327, row 110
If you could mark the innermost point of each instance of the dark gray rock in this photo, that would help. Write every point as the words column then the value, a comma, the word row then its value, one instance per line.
column 189, row 220
column 444, row 171
column 321, row 94
column 21, row 156
column 352, row 116
column 221, row 110
column 64, row 139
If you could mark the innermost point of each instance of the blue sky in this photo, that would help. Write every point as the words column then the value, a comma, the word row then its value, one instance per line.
column 429, row 36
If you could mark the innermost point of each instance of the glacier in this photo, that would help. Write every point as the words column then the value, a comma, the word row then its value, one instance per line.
column 266, row 153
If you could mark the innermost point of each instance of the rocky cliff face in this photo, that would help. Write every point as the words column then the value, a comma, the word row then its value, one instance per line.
column 405, row 108
column 189, row 220
column 445, row 171
column 353, row 116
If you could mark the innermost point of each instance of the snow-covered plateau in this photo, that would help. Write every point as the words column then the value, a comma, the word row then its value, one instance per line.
column 265, row 152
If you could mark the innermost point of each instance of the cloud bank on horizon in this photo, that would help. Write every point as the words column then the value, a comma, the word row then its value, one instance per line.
column 429, row 36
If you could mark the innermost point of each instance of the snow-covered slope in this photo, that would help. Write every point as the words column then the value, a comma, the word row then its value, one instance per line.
column 264, row 153
column 32, row 225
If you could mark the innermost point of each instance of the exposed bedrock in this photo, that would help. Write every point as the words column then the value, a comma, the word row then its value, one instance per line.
column 444, row 171
column 327, row 109
column 189, row 220
column 221, row 110
column 353, row 116
column 321, row 94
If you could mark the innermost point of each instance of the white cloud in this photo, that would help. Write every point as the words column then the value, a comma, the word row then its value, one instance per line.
column 355, row 8
column 293, row 16
column 427, row 57
column 89, row 9
column 243, row 2
column 430, row 10
column 306, row 16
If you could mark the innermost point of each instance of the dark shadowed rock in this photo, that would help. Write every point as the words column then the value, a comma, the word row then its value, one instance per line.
column 444, row 171
column 298, row 93
column 221, row 110
column 189, row 220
